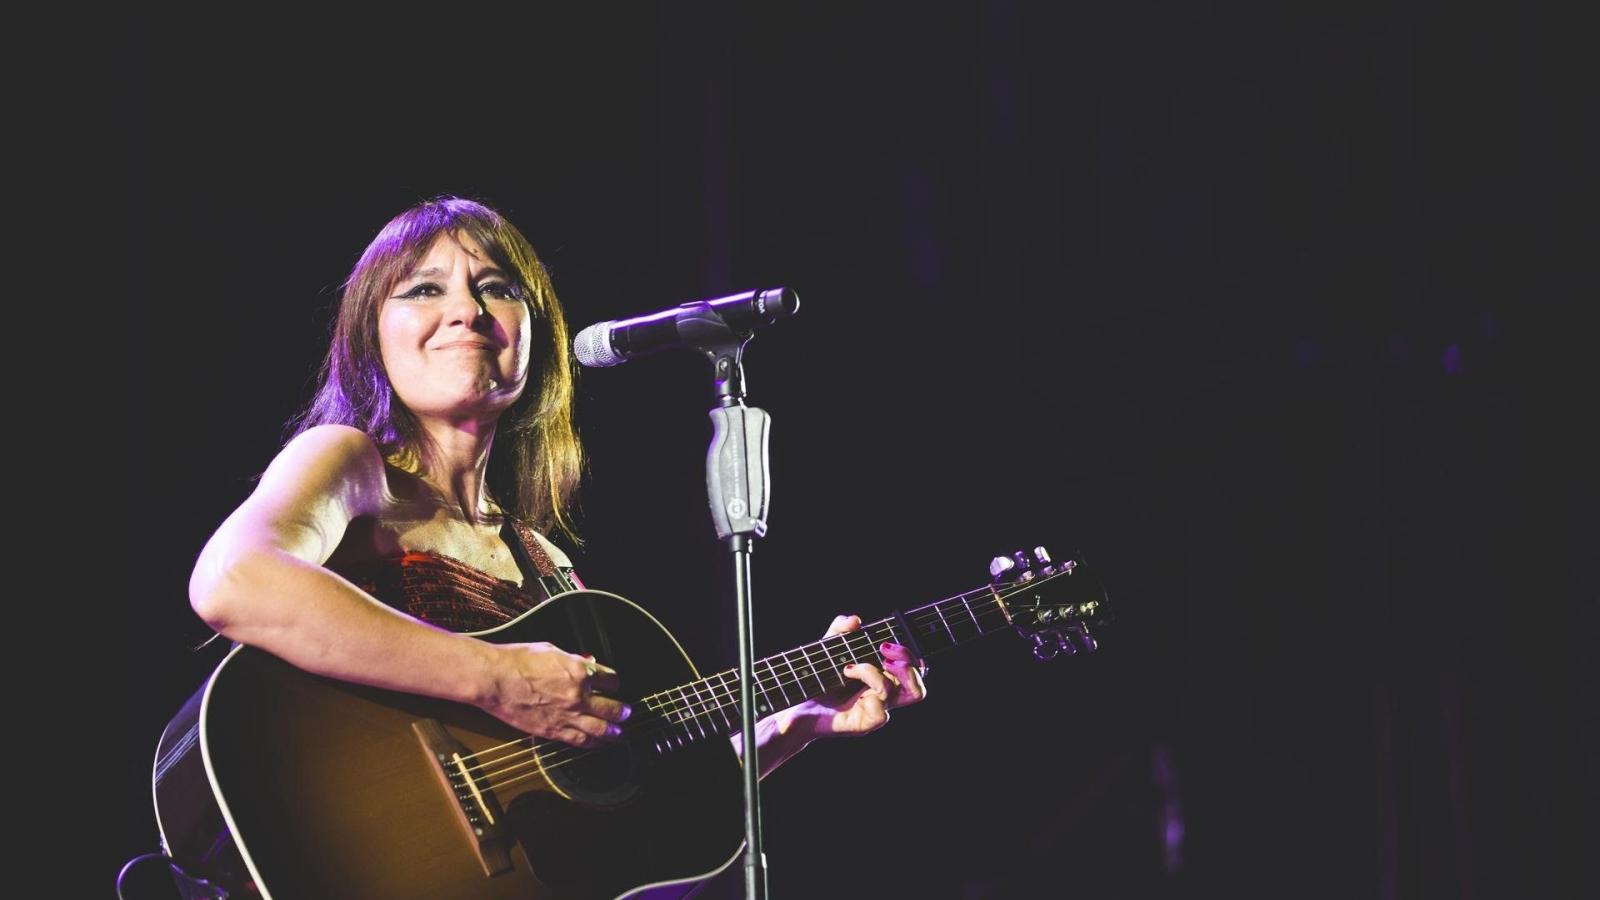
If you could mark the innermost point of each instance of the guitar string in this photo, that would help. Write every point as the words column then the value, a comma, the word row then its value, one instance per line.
column 722, row 686
column 704, row 705
column 663, row 726
column 713, row 700
column 667, row 707
column 497, row 780
column 567, row 753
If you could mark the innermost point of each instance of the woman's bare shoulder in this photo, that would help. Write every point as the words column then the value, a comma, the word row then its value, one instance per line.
column 341, row 440
column 329, row 460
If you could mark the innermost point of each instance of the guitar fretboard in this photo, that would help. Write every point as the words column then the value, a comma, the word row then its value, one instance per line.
column 710, row 707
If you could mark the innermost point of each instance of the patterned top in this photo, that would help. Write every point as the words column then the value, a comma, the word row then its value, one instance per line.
column 446, row 592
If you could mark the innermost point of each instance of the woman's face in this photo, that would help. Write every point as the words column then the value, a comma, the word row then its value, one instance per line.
column 454, row 334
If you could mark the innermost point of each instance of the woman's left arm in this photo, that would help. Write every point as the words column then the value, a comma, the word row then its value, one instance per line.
column 787, row 732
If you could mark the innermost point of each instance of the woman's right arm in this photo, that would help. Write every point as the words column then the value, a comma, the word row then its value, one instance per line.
column 260, row 581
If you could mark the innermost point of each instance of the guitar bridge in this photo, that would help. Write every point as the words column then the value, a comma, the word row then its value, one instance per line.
column 481, row 818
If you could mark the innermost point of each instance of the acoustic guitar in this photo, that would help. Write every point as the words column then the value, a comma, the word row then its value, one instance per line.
column 274, row 782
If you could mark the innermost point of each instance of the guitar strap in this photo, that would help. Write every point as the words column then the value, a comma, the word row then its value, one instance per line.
column 535, row 563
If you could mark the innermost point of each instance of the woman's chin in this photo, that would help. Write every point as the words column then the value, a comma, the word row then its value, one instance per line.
column 482, row 401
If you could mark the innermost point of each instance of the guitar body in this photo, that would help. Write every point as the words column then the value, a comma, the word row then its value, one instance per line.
column 316, row 788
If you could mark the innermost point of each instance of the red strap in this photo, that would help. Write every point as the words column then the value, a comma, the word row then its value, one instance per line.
column 541, row 559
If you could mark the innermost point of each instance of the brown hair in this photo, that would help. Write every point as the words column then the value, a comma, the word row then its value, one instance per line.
column 539, row 471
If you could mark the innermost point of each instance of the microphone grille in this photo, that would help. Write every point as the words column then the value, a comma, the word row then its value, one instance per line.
column 592, row 347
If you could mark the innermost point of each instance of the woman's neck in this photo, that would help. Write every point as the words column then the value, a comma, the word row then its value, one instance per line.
column 453, row 459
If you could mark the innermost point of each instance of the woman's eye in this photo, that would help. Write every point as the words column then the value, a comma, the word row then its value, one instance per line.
column 500, row 290
column 425, row 289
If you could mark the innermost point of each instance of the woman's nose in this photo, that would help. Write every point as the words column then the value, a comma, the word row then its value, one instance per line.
column 465, row 305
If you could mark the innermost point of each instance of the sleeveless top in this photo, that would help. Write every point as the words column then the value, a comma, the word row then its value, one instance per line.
column 452, row 595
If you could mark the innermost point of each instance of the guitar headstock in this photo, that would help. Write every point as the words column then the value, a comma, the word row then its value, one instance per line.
column 1052, row 604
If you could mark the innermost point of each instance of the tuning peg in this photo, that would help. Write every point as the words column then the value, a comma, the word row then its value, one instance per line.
column 1044, row 649
column 1046, row 565
column 1025, row 570
column 1047, row 645
column 1015, row 567
column 999, row 566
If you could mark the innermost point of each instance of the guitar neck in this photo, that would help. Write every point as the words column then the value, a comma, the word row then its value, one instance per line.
column 710, row 707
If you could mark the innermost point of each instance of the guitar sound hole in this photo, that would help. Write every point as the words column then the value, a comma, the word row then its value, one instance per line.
column 606, row 776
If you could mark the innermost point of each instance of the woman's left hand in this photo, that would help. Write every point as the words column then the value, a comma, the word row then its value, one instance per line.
column 898, row 683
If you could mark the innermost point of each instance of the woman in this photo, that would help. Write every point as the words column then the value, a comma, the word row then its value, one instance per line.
column 439, row 443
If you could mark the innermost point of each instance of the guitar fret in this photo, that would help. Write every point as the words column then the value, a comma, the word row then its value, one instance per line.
column 974, row 615
column 798, row 683
column 811, row 667
column 710, row 706
column 668, row 709
column 686, row 716
column 806, row 671
column 945, row 623
column 839, row 642
column 778, row 682
column 696, row 706
column 691, row 697
column 868, row 654
column 828, row 654
column 699, row 711
column 837, row 672
column 663, row 742
column 720, row 700
column 757, row 689
column 758, row 696
column 851, row 653
column 730, row 687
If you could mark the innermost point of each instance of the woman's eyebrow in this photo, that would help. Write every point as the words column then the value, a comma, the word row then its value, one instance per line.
column 435, row 272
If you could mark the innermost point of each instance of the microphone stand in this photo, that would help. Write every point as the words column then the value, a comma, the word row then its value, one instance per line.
column 739, row 489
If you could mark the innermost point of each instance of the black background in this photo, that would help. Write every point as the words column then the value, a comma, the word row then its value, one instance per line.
column 1271, row 316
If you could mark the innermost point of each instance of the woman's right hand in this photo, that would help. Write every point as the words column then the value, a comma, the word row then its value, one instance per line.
column 550, row 693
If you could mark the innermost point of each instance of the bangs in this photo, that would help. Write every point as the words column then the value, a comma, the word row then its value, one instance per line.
column 402, row 244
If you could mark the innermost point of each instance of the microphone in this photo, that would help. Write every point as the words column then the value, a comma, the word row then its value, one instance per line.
column 697, row 325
